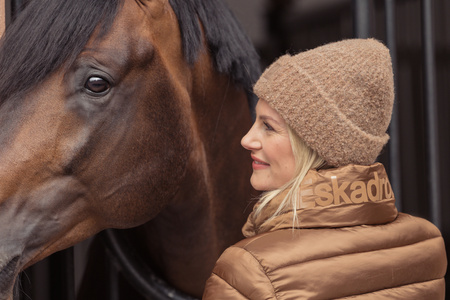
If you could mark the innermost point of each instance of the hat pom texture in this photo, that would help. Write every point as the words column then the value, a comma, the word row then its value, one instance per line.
column 338, row 98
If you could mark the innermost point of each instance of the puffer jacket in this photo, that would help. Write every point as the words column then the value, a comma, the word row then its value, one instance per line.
column 349, row 243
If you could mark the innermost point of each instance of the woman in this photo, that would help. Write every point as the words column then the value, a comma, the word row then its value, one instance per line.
column 326, row 226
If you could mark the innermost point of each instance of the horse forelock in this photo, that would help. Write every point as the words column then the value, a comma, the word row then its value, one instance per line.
column 231, row 50
column 45, row 35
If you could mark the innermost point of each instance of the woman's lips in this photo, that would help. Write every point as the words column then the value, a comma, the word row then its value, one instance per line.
column 259, row 164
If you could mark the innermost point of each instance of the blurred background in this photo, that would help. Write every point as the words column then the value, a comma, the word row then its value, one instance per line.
column 417, row 155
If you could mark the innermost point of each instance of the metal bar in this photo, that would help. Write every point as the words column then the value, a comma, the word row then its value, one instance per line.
column 137, row 272
column 113, row 282
column 62, row 278
column 361, row 18
column 394, row 130
column 16, row 7
column 69, row 273
column 431, row 111
column 9, row 9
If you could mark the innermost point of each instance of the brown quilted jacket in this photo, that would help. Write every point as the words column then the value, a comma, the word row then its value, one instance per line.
column 349, row 243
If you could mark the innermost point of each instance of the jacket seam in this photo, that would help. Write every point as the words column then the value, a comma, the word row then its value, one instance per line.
column 231, row 285
column 337, row 205
column 253, row 239
column 350, row 253
column 391, row 288
column 265, row 272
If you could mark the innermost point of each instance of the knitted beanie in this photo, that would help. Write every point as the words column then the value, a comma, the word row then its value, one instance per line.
column 338, row 98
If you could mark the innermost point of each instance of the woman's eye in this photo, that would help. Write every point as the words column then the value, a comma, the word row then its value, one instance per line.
column 267, row 125
column 97, row 85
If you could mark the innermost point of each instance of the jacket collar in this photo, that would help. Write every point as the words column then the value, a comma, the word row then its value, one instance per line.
column 345, row 196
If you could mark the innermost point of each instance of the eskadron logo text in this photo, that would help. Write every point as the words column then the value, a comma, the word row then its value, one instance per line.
column 336, row 191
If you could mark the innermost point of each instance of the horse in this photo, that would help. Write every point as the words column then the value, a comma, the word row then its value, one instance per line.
column 124, row 113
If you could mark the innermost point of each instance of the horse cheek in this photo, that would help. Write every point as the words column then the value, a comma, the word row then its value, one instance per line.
column 153, row 156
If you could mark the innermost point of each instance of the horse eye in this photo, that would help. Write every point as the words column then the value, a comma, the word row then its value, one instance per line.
column 97, row 85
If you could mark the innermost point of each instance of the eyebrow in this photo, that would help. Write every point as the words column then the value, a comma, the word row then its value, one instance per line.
column 265, row 117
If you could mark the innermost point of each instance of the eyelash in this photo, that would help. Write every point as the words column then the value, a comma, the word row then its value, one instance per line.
column 268, row 127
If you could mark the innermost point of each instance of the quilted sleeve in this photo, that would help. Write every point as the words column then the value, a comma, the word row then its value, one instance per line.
column 218, row 288
column 238, row 275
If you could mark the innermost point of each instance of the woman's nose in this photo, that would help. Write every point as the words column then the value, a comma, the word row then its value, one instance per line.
column 249, row 141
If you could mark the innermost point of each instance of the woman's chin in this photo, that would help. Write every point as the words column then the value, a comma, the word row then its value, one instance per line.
column 260, row 185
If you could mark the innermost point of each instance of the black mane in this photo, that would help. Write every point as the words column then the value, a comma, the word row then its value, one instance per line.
column 48, row 33
column 231, row 50
column 45, row 35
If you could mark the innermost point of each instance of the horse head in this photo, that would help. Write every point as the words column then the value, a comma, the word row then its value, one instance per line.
column 104, row 114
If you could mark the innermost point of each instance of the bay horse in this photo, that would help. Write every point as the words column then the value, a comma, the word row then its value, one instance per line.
column 117, row 112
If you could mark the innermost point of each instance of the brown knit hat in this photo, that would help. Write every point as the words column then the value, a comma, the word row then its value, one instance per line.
column 337, row 97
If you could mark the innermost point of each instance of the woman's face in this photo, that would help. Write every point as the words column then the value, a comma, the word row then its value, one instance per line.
column 270, row 147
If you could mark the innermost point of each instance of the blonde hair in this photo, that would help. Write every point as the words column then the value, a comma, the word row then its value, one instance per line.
column 305, row 160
